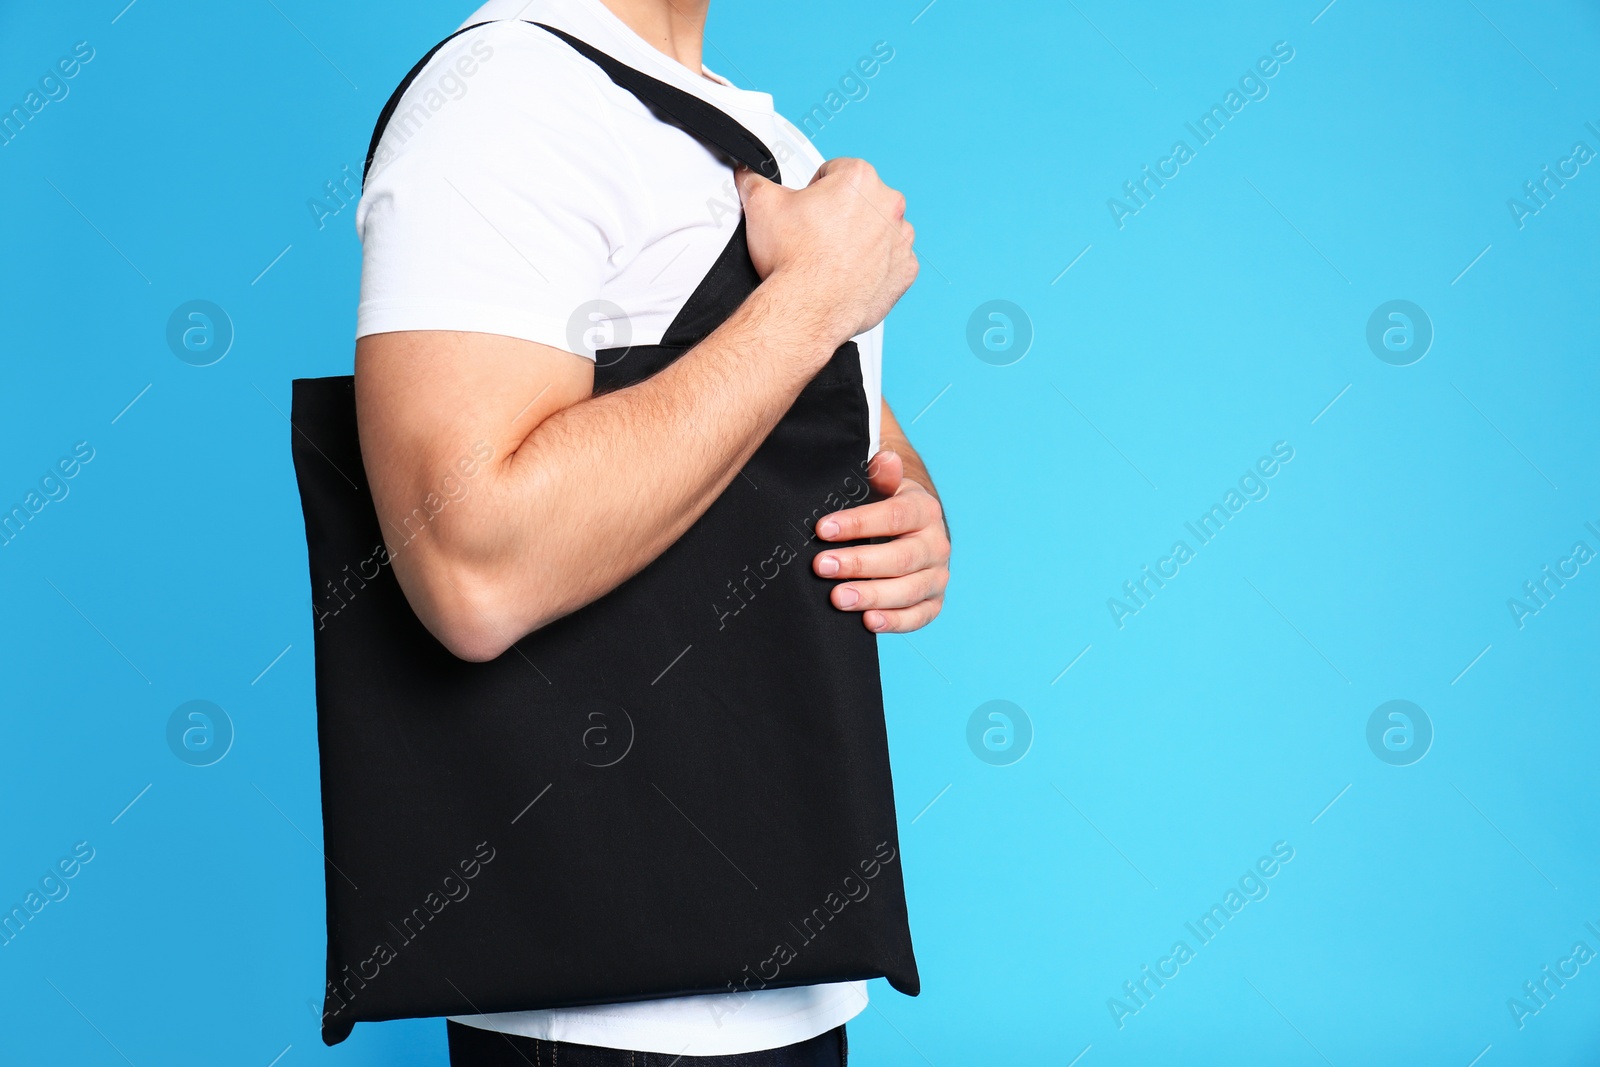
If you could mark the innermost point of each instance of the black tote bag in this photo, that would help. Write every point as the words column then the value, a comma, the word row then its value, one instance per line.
column 682, row 788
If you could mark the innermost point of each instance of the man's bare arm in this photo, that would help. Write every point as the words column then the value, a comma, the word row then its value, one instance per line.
column 581, row 492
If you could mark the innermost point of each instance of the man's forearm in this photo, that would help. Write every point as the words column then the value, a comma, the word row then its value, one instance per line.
column 599, row 489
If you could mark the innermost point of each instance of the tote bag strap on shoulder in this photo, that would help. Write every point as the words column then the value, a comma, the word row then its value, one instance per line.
column 701, row 120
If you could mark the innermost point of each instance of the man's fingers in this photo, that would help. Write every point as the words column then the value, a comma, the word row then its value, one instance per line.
column 901, row 514
column 902, row 620
column 903, row 555
column 904, row 592
column 848, row 165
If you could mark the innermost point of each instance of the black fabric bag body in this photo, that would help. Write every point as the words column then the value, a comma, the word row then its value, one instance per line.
column 682, row 788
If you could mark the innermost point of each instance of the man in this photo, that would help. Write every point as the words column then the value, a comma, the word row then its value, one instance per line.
column 523, row 212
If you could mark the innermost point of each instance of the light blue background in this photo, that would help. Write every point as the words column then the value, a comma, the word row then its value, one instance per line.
column 1226, row 716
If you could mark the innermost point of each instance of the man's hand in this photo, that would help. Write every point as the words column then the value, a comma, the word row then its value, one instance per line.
column 841, row 247
column 899, row 585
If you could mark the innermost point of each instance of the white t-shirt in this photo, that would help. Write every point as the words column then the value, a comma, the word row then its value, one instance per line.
column 518, row 191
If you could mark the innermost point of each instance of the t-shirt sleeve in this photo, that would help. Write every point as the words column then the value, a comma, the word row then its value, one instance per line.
column 494, row 203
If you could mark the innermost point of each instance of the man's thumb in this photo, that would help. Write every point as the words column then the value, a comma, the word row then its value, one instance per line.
column 885, row 471
column 748, row 181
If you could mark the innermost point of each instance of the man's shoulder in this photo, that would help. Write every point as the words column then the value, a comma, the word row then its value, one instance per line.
column 495, row 84
column 508, row 57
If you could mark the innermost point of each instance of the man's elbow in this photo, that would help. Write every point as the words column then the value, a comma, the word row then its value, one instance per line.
column 474, row 643
column 465, row 610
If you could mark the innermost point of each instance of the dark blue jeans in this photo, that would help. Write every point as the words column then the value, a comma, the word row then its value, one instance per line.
column 472, row 1047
